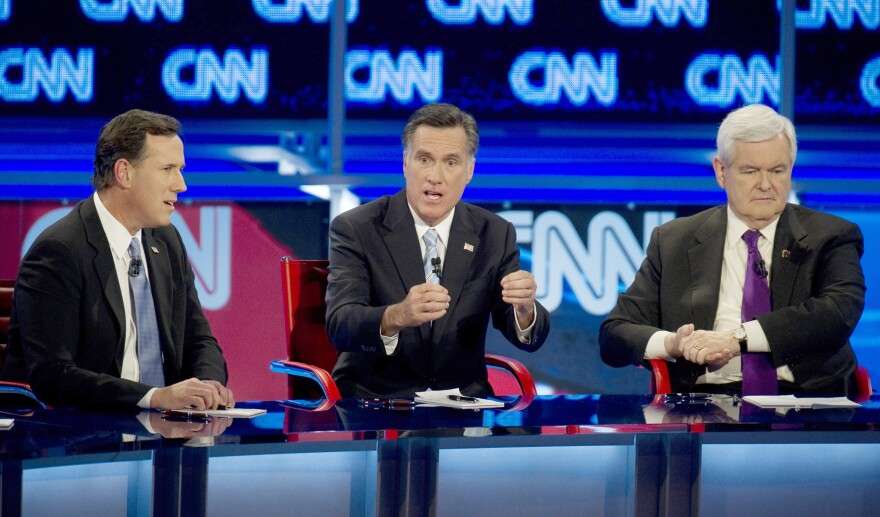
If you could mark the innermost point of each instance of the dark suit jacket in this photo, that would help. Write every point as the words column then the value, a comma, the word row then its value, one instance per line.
column 67, row 332
column 817, row 291
column 375, row 259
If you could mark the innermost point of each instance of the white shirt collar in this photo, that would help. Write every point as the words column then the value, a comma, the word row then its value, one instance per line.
column 736, row 228
column 117, row 234
column 443, row 228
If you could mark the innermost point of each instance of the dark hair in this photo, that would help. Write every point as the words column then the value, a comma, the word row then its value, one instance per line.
column 442, row 115
column 124, row 137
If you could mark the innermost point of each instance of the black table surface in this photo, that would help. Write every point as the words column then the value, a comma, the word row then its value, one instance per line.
column 41, row 433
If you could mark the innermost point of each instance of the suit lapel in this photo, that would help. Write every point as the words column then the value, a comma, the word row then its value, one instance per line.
column 704, row 262
column 787, row 255
column 105, row 270
column 402, row 242
column 402, row 245
column 458, row 261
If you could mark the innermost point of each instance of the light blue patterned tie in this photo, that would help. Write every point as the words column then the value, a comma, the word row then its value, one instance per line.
column 149, row 350
column 431, row 257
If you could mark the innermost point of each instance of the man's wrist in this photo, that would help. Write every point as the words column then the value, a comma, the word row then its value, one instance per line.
column 741, row 338
column 387, row 327
column 669, row 343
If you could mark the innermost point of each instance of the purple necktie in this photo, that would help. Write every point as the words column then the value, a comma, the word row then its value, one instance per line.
column 759, row 375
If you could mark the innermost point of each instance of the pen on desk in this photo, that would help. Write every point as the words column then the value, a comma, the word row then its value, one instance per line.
column 462, row 398
column 176, row 415
column 388, row 403
column 685, row 397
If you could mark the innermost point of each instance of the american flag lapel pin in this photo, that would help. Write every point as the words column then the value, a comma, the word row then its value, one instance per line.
column 156, row 251
column 469, row 247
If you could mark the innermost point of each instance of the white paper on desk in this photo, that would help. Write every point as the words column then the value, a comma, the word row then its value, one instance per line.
column 6, row 423
column 790, row 401
column 441, row 398
column 228, row 413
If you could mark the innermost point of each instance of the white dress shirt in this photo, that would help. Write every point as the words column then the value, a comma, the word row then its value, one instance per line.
column 120, row 239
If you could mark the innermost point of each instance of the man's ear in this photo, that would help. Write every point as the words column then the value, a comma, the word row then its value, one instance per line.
column 122, row 173
column 718, row 165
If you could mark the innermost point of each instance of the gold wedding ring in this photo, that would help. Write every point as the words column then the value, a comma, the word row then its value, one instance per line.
column 697, row 347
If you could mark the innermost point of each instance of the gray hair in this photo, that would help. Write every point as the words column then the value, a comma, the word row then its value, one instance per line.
column 440, row 115
column 754, row 123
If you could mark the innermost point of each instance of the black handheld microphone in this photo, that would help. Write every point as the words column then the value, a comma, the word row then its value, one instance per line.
column 134, row 267
column 435, row 262
column 761, row 268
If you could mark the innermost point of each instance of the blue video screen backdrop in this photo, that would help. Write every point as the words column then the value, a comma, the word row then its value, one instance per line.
column 598, row 116
column 608, row 60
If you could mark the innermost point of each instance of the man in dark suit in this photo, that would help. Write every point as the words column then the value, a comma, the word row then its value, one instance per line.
column 686, row 300
column 78, row 334
column 415, row 277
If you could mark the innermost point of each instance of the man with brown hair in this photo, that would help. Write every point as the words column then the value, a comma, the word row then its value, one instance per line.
column 106, row 313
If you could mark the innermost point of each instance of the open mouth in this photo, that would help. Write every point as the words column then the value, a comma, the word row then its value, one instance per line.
column 170, row 203
column 433, row 196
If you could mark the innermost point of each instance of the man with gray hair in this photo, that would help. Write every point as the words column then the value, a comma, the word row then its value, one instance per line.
column 756, row 296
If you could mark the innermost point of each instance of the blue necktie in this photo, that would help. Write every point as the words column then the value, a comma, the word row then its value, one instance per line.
column 149, row 350
column 759, row 375
column 431, row 256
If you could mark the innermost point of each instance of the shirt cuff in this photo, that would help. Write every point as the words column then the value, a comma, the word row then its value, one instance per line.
column 757, row 338
column 656, row 348
column 144, row 403
column 525, row 335
column 390, row 343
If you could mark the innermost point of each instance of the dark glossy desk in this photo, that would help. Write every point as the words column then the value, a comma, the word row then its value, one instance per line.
column 557, row 455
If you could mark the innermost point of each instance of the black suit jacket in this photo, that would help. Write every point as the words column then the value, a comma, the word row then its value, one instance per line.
column 67, row 332
column 817, row 291
column 375, row 259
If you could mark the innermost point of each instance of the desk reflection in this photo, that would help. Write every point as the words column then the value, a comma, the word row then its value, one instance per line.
column 562, row 455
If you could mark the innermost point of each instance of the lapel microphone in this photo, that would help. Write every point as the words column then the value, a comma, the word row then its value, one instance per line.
column 134, row 267
column 435, row 262
column 761, row 268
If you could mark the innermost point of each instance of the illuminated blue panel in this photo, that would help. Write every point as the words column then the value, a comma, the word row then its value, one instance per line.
column 667, row 12
column 5, row 9
column 113, row 488
column 574, row 480
column 61, row 73
column 116, row 11
column 291, row 11
column 842, row 13
column 577, row 79
column 464, row 12
column 751, row 81
column 229, row 77
column 327, row 484
column 402, row 78
column 813, row 479
column 868, row 81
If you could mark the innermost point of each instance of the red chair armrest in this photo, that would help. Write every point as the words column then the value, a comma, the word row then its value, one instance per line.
column 319, row 375
column 517, row 369
column 660, row 383
column 863, row 382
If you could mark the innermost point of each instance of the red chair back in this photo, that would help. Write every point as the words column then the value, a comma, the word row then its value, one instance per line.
column 304, row 283
column 6, row 288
